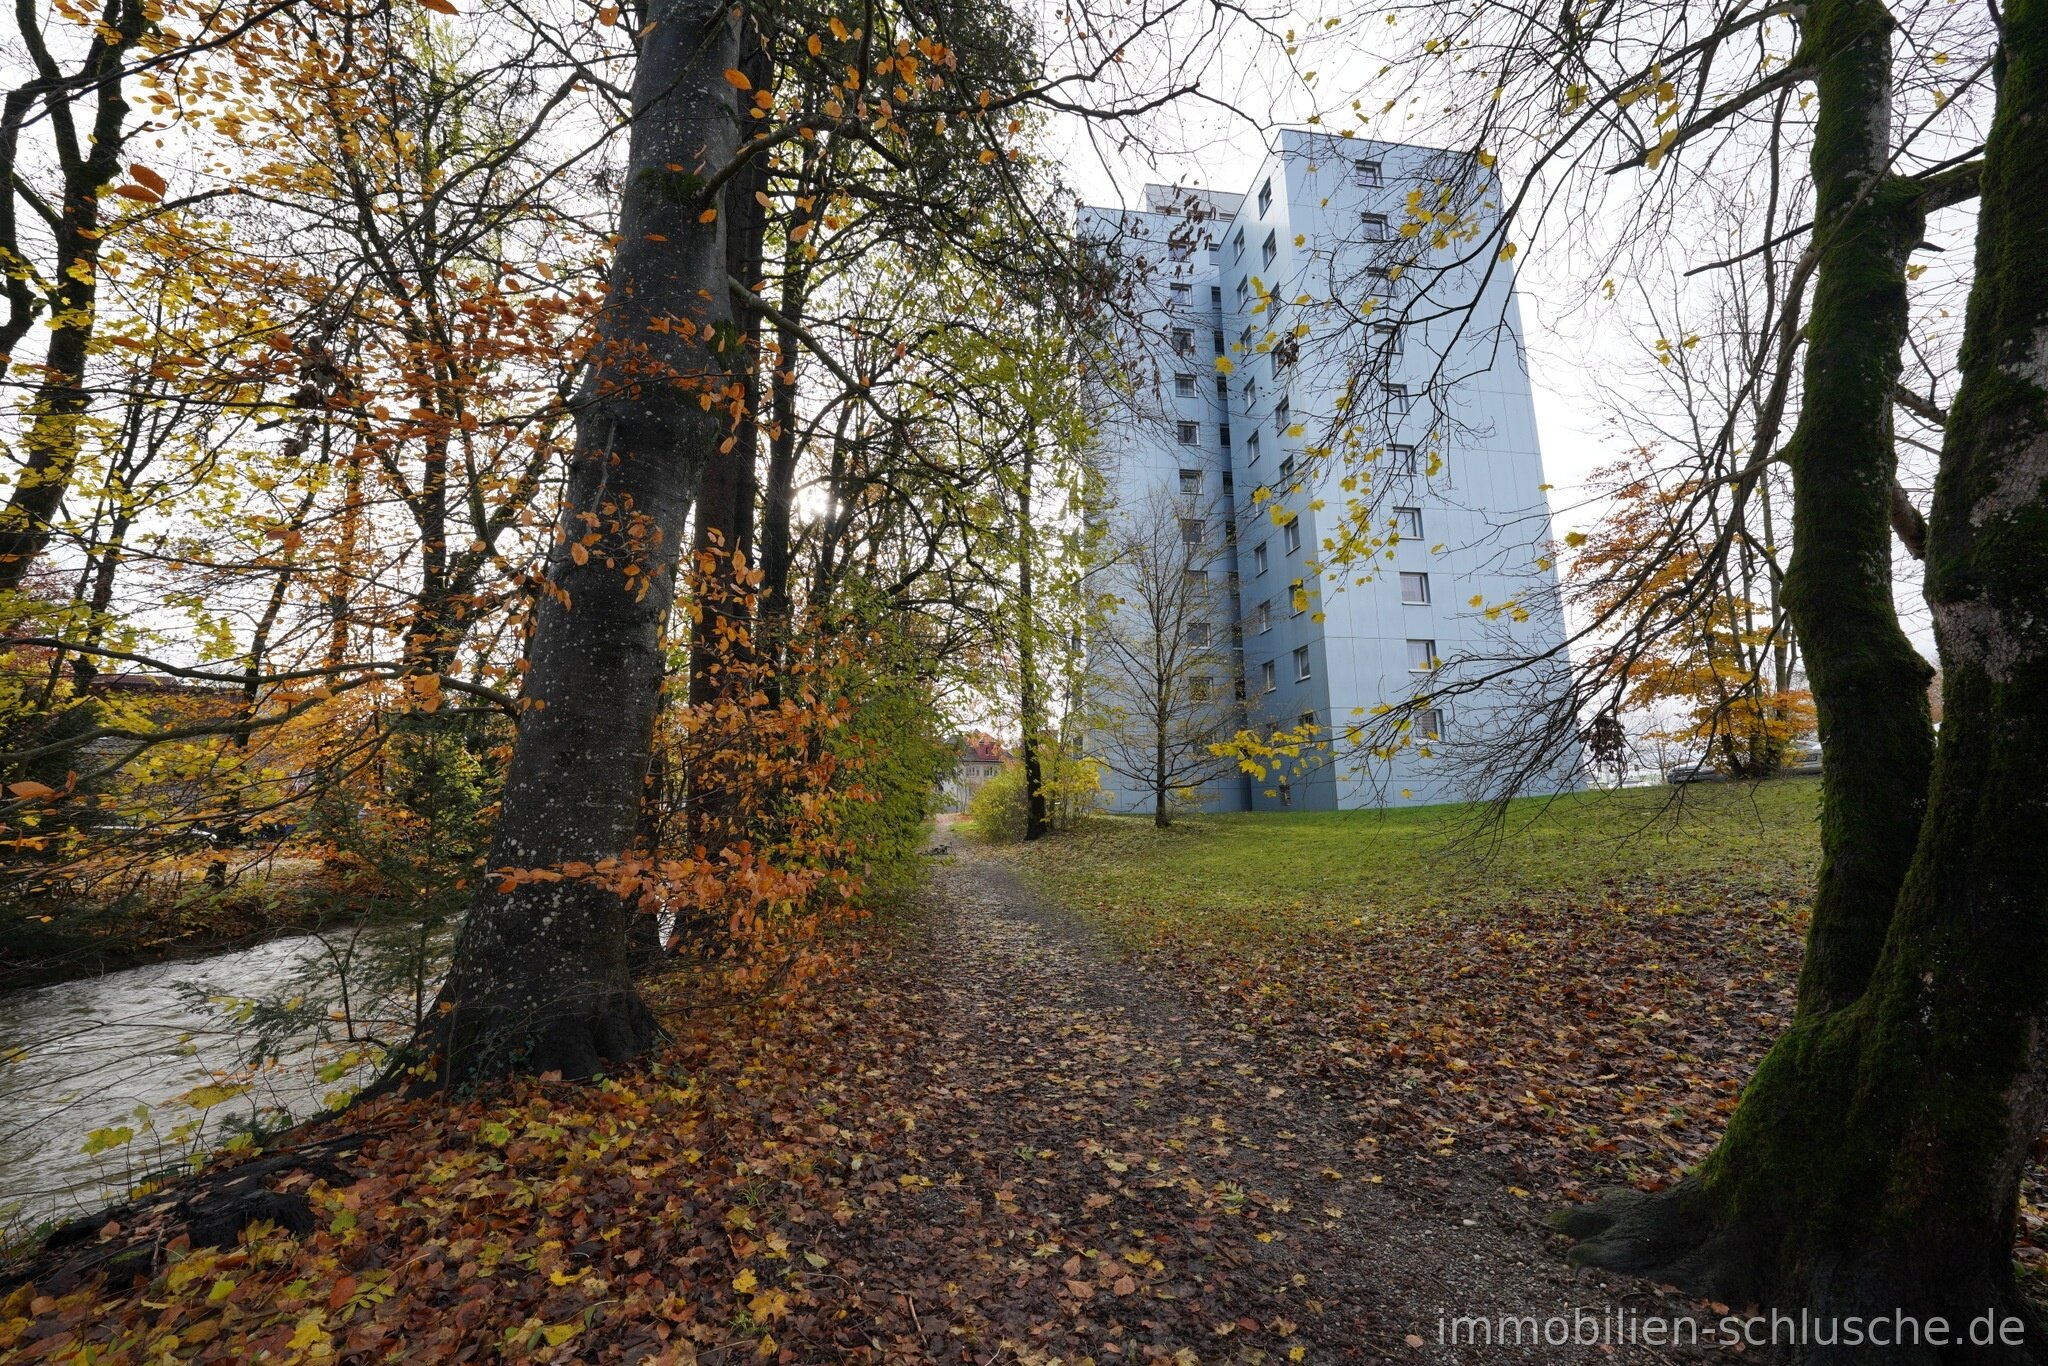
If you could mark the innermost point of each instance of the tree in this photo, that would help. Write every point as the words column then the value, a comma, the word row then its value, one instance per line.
column 1726, row 664
column 1876, row 1158
column 540, row 977
column 1161, row 677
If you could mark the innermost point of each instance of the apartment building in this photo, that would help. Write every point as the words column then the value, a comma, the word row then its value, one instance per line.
column 1324, row 376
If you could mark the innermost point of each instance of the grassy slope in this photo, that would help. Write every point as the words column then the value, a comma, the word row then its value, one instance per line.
column 1263, row 875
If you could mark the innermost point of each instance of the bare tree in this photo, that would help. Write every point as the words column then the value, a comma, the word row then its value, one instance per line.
column 1161, row 675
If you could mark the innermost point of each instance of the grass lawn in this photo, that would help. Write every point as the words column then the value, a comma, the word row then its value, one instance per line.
column 1578, row 996
column 1289, row 874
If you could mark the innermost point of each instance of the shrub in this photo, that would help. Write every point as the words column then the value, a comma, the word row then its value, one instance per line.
column 998, row 810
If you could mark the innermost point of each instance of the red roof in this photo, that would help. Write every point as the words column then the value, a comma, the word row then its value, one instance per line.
column 984, row 749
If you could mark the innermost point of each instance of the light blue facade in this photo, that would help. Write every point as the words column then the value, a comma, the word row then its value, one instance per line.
column 1277, row 280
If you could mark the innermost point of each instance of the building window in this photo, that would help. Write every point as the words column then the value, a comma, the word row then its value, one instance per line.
column 1198, row 633
column 1196, row 580
column 1223, row 391
column 1306, row 723
column 1259, row 558
column 1180, row 251
column 1265, row 196
column 1262, row 617
column 1183, row 342
column 1226, row 473
column 1183, row 294
column 1184, row 385
column 1286, row 469
column 1408, row 523
column 1198, row 688
column 1415, row 589
column 1389, row 338
column 1300, row 663
column 1191, row 532
column 1190, row 433
column 1244, row 291
column 1372, row 227
column 1283, row 413
column 1404, row 459
column 1190, row 481
column 1251, row 449
column 1272, row 247
column 1369, row 175
column 1297, row 597
column 1223, row 435
column 1215, row 296
column 1237, row 245
column 1399, row 401
column 1292, row 535
column 1268, row 677
column 1427, row 723
column 1421, row 656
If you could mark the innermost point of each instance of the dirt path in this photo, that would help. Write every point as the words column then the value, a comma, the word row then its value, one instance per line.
column 1144, row 1185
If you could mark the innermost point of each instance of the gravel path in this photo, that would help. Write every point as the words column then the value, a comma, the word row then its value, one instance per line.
column 1144, row 1184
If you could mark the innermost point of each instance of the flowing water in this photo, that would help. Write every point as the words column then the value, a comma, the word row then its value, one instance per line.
column 80, row 1061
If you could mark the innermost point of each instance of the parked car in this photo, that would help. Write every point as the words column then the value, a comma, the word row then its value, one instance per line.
column 1802, row 759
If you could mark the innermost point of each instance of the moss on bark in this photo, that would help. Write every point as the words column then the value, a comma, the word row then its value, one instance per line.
column 1874, row 1163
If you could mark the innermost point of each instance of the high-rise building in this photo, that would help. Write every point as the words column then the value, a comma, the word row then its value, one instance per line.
column 1333, row 392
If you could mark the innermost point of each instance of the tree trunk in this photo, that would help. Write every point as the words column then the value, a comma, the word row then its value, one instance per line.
column 540, row 978
column 1027, row 660
column 57, row 412
column 1869, row 684
column 1875, row 1161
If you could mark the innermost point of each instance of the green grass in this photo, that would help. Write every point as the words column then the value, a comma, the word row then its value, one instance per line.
column 1275, row 875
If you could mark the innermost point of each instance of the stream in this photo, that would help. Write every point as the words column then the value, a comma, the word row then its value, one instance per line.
column 139, row 1049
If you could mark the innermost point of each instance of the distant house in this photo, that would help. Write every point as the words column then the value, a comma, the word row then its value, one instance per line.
column 982, row 756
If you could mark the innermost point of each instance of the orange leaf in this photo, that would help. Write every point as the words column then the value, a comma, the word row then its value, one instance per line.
column 439, row 6
column 579, row 553
column 148, row 177
column 140, row 193
column 734, row 77
column 31, row 789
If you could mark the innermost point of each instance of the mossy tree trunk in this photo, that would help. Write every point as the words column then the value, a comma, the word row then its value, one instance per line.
column 1874, row 1163
column 1869, row 684
column 541, row 973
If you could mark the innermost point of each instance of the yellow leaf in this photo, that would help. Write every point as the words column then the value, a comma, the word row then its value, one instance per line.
column 745, row 1282
column 310, row 1333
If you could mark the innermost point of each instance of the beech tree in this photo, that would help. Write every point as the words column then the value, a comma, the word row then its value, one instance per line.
column 1874, row 1162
